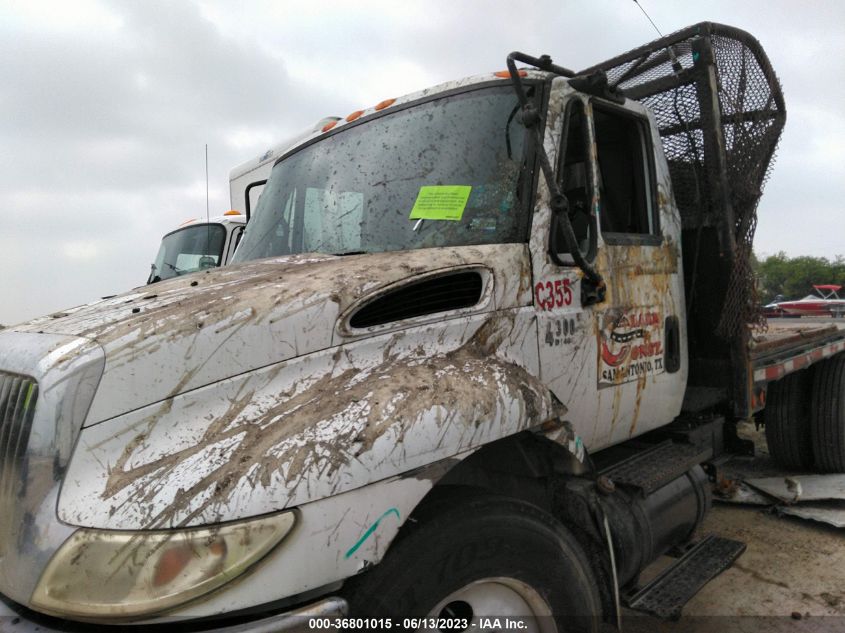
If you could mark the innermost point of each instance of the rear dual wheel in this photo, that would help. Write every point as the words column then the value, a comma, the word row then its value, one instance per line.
column 805, row 418
column 787, row 417
column 472, row 560
column 827, row 415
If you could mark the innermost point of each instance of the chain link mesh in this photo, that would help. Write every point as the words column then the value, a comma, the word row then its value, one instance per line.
column 671, row 76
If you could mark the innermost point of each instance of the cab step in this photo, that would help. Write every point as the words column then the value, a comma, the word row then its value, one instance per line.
column 666, row 595
column 652, row 469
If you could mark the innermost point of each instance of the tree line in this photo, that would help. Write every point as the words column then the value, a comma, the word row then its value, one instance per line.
column 793, row 277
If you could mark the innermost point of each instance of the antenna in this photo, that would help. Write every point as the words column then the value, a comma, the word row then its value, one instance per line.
column 206, row 183
column 676, row 65
column 649, row 18
column 207, row 217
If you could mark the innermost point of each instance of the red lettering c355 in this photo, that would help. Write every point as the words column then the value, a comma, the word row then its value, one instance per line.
column 553, row 294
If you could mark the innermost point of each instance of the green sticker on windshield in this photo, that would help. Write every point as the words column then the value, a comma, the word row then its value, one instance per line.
column 441, row 202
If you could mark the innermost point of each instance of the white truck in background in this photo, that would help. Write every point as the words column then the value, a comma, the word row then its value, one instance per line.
column 247, row 180
column 202, row 244
column 478, row 353
column 198, row 244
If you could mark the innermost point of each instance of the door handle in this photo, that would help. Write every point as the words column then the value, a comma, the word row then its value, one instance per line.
column 672, row 347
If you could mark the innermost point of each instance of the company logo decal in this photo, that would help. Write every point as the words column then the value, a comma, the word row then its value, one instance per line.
column 630, row 345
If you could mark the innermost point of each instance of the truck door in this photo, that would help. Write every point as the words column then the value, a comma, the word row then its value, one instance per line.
column 618, row 366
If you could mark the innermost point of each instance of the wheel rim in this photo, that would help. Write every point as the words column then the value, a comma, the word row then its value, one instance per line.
column 483, row 601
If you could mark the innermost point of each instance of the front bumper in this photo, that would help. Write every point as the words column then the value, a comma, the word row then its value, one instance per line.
column 14, row 621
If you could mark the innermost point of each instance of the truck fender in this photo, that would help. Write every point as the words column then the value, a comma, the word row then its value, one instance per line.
column 317, row 426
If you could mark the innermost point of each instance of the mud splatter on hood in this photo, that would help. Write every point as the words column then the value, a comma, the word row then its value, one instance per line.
column 184, row 333
column 315, row 427
column 181, row 297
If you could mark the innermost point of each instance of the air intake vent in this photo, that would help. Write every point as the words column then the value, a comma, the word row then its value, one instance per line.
column 430, row 296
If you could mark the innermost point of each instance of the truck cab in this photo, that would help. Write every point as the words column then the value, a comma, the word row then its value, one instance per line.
column 198, row 244
column 447, row 368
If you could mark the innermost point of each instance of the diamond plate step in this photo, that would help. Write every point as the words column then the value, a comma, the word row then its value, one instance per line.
column 656, row 467
column 667, row 594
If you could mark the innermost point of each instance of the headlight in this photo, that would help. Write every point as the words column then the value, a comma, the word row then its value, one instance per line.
column 99, row 573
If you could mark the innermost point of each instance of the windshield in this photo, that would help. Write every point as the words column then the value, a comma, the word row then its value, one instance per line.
column 446, row 172
column 188, row 250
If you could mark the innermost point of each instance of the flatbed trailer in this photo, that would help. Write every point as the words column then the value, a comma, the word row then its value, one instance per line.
column 782, row 350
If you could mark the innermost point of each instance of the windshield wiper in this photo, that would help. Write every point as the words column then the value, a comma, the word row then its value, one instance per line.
column 178, row 271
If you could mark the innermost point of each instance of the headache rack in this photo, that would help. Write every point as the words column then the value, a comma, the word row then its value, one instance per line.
column 720, row 113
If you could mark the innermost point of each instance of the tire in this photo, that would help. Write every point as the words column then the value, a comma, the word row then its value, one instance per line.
column 476, row 555
column 787, row 419
column 827, row 420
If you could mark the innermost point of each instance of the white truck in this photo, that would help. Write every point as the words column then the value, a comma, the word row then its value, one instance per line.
column 202, row 244
column 197, row 245
column 479, row 351
column 247, row 180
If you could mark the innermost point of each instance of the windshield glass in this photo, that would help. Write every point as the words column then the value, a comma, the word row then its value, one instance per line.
column 446, row 172
column 188, row 250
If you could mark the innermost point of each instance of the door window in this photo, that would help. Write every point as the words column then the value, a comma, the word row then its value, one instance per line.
column 576, row 182
column 626, row 183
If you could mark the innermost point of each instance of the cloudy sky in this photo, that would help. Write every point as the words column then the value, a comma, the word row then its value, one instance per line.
column 106, row 108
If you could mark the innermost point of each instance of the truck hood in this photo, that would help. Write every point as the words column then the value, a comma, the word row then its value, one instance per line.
column 185, row 333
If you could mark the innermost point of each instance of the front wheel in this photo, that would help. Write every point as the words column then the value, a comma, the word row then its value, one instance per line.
column 482, row 562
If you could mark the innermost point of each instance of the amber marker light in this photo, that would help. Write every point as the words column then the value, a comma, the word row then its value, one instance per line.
column 385, row 104
column 354, row 115
column 232, row 212
column 505, row 74
column 329, row 126
column 172, row 562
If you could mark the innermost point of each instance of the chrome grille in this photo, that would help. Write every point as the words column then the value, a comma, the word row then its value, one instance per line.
column 17, row 406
